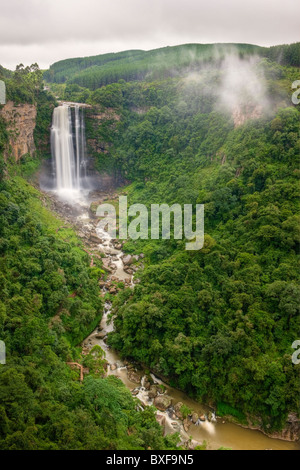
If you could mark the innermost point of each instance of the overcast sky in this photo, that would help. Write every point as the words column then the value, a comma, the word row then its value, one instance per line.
column 45, row 31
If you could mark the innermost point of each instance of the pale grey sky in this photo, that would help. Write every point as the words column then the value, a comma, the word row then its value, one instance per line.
column 45, row 31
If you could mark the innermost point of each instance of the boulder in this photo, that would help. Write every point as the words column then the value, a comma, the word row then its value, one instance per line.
column 113, row 367
column 195, row 417
column 134, row 376
column 95, row 239
column 106, row 265
column 147, row 384
column 127, row 260
column 162, row 402
column 152, row 391
column 177, row 409
column 186, row 424
column 128, row 270
column 202, row 418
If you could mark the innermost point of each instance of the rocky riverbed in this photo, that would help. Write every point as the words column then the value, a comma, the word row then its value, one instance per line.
column 176, row 412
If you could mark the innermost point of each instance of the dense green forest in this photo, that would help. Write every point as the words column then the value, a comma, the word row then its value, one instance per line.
column 49, row 302
column 97, row 71
column 219, row 323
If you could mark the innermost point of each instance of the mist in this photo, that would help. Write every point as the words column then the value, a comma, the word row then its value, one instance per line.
column 237, row 85
column 242, row 91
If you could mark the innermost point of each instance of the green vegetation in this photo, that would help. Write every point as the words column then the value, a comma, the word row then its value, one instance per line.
column 24, row 84
column 3, row 141
column 218, row 322
column 50, row 301
column 226, row 410
column 4, row 73
column 45, row 105
column 94, row 72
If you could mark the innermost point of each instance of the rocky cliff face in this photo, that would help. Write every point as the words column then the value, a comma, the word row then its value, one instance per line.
column 241, row 114
column 21, row 121
column 291, row 431
column 102, row 127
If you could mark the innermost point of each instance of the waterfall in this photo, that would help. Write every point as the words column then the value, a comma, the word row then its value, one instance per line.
column 68, row 148
column 83, row 145
column 77, row 137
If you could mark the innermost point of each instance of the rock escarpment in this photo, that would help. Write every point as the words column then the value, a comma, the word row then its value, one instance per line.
column 241, row 114
column 291, row 432
column 102, row 125
column 21, row 121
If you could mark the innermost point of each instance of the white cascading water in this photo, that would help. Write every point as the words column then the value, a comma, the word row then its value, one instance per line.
column 82, row 145
column 77, row 135
column 68, row 151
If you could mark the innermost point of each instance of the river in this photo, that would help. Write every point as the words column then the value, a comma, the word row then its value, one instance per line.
column 217, row 432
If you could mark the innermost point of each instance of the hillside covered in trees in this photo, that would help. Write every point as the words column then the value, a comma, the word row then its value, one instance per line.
column 49, row 302
column 193, row 124
column 94, row 72
column 219, row 323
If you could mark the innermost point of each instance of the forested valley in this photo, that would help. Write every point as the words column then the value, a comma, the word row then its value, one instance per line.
column 217, row 323
column 45, row 273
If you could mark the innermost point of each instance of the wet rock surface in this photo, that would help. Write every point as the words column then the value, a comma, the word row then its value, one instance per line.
column 162, row 402
column 134, row 376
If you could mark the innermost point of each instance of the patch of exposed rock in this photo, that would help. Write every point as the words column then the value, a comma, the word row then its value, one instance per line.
column 162, row 402
column 134, row 376
column 21, row 121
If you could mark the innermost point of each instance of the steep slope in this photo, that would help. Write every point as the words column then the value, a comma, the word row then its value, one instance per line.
column 50, row 300
column 20, row 122
column 219, row 323
column 94, row 72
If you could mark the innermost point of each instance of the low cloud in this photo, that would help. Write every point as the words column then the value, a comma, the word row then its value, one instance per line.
column 242, row 85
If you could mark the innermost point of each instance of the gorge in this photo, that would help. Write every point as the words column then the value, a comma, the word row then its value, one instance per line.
column 201, row 340
column 216, row 431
